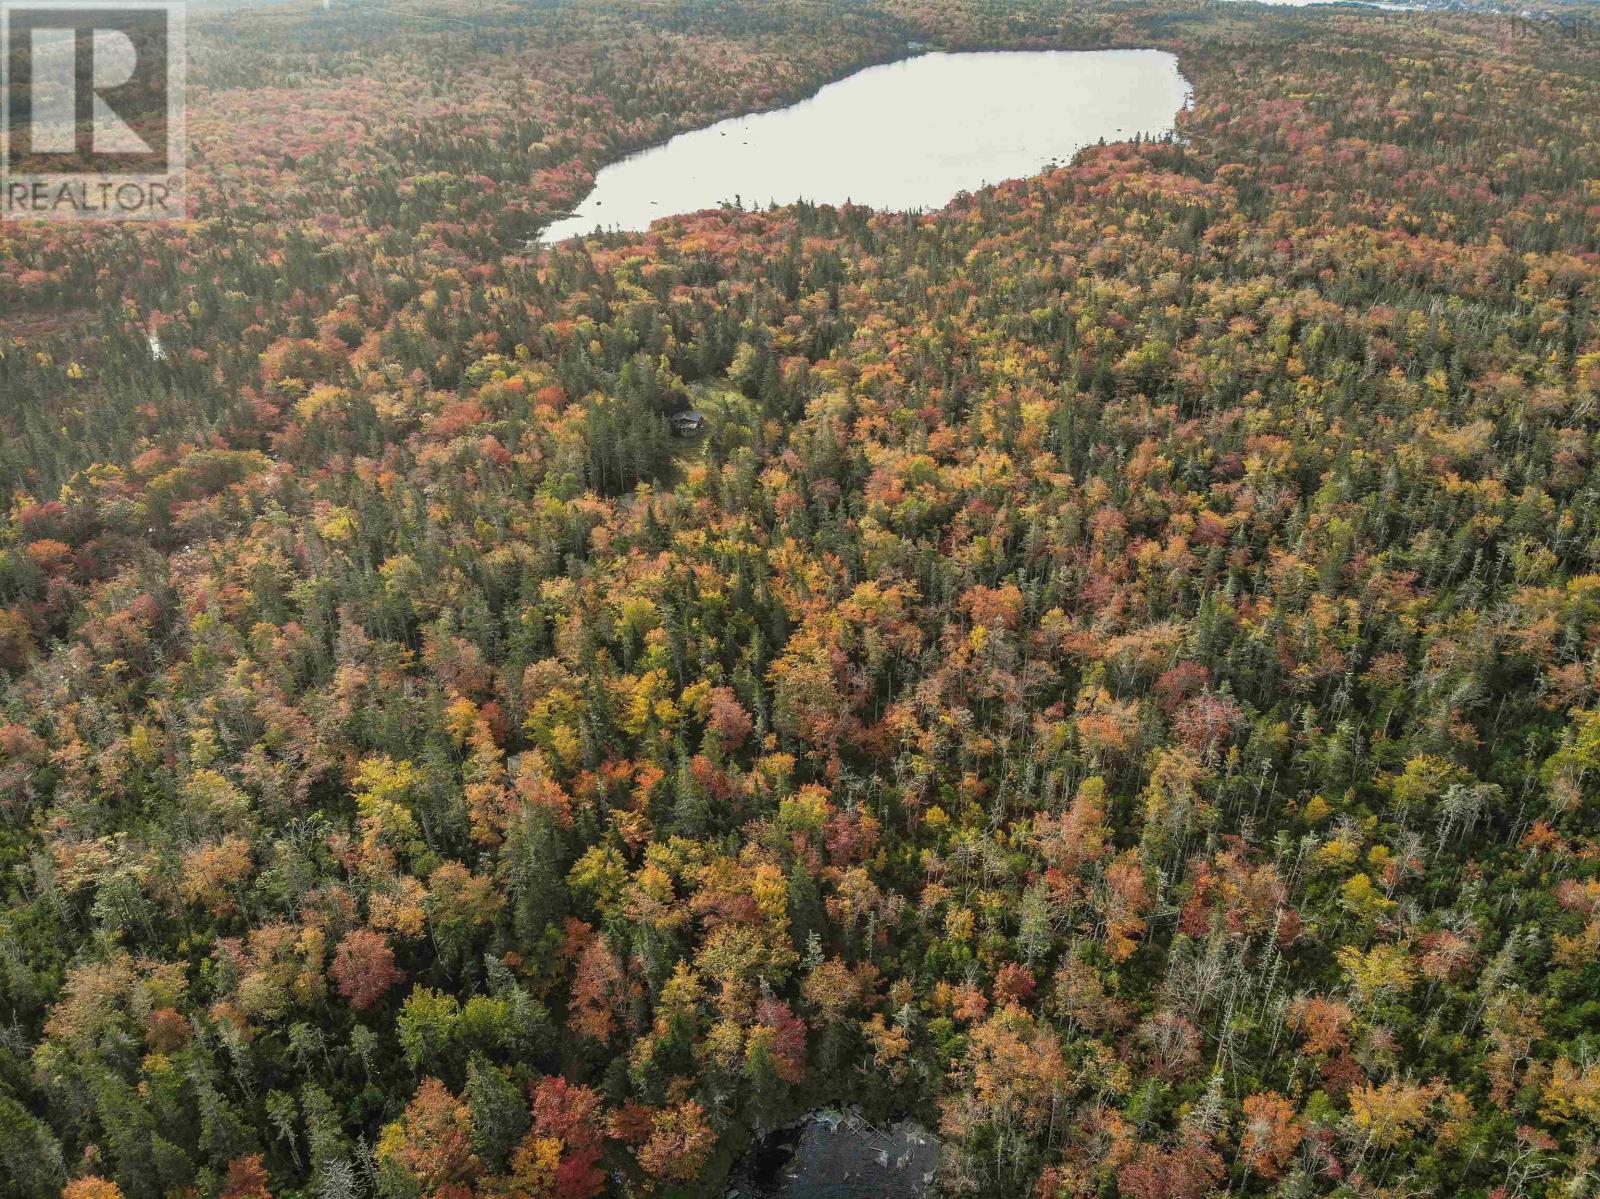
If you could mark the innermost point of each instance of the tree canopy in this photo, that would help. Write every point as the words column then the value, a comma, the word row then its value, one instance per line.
column 1118, row 678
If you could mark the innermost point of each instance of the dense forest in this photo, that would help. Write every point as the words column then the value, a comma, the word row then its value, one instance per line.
column 1119, row 679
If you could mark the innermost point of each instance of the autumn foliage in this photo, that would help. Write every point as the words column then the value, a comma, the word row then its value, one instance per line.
column 1118, row 679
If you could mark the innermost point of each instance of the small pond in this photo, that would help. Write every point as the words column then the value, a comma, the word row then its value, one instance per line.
column 838, row 1155
column 905, row 135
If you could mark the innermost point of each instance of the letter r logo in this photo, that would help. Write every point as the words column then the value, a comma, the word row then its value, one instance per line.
column 92, row 120
column 88, row 87
column 113, row 59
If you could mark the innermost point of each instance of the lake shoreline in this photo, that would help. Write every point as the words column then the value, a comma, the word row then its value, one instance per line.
column 1056, row 146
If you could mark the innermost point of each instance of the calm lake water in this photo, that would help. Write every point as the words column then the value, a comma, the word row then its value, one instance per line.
column 906, row 135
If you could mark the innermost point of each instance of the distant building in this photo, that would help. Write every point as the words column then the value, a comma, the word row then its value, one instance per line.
column 688, row 424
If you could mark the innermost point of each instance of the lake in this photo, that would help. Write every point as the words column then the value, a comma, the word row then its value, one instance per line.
column 906, row 135
column 838, row 1154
